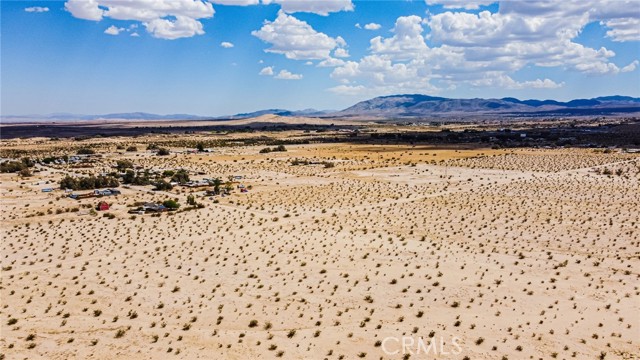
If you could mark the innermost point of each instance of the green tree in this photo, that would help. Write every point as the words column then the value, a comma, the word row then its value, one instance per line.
column 85, row 151
column 171, row 204
column 25, row 172
column 181, row 176
column 191, row 200
column 122, row 165
column 163, row 185
column 129, row 177
column 216, row 185
column 68, row 183
column 200, row 147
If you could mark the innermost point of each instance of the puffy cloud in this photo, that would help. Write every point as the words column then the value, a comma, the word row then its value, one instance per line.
column 320, row 7
column 506, row 82
column 296, row 39
column 266, row 71
column 372, row 26
column 624, row 29
column 36, row 9
column 181, row 27
column 406, row 43
column 226, row 44
column 621, row 16
column 341, row 52
column 543, row 40
column 351, row 90
column 630, row 67
column 84, row 9
column 236, row 2
column 460, row 4
column 166, row 19
column 113, row 30
column 486, row 49
column 286, row 75
column 331, row 62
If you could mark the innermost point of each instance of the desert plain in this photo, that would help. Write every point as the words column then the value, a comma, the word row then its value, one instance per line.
column 338, row 250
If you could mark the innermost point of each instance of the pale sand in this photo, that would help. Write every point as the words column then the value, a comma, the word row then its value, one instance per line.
column 529, row 250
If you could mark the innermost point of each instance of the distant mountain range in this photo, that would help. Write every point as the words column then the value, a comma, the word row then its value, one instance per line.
column 416, row 105
column 397, row 106
column 115, row 116
column 149, row 116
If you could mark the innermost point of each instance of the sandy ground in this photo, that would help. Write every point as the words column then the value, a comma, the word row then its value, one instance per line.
column 488, row 254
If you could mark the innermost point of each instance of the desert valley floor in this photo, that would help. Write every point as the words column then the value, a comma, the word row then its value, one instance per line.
column 508, row 253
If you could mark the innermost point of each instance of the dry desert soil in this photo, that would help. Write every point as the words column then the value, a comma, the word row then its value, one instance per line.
column 389, row 252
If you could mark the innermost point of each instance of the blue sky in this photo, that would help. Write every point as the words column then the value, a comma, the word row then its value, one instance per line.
column 222, row 57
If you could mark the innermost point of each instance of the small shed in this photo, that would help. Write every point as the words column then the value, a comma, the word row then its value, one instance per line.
column 102, row 206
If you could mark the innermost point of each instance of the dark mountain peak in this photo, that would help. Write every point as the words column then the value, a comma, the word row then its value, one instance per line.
column 418, row 105
column 617, row 98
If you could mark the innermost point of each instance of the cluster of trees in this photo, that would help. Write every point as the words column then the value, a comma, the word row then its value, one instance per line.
column 327, row 164
column 123, row 165
column 296, row 162
column 50, row 159
column 171, row 204
column 607, row 171
column 181, row 176
column 85, row 151
column 275, row 149
column 21, row 166
column 88, row 183
column 131, row 177
column 162, row 185
column 146, row 178
column 159, row 150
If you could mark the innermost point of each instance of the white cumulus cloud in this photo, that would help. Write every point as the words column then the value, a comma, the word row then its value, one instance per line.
column 460, row 4
column 165, row 19
column 266, row 71
column 113, row 30
column 623, row 29
column 407, row 41
column 330, row 62
column 236, row 2
column 486, row 49
column 296, row 39
column 372, row 26
column 320, row 7
column 36, row 9
column 630, row 67
column 181, row 27
column 226, row 44
column 286, row 75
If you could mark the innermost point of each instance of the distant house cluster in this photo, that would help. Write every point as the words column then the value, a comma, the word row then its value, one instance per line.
column 96, row 193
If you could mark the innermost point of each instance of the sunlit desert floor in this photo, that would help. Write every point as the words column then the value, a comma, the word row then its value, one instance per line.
column 477, row 253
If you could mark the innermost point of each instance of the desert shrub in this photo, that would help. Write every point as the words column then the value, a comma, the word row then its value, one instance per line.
column 181, row 176
column 88, row 183
column 122, row 165
column 162, row 185
column 171, row 204
column 85, row 151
